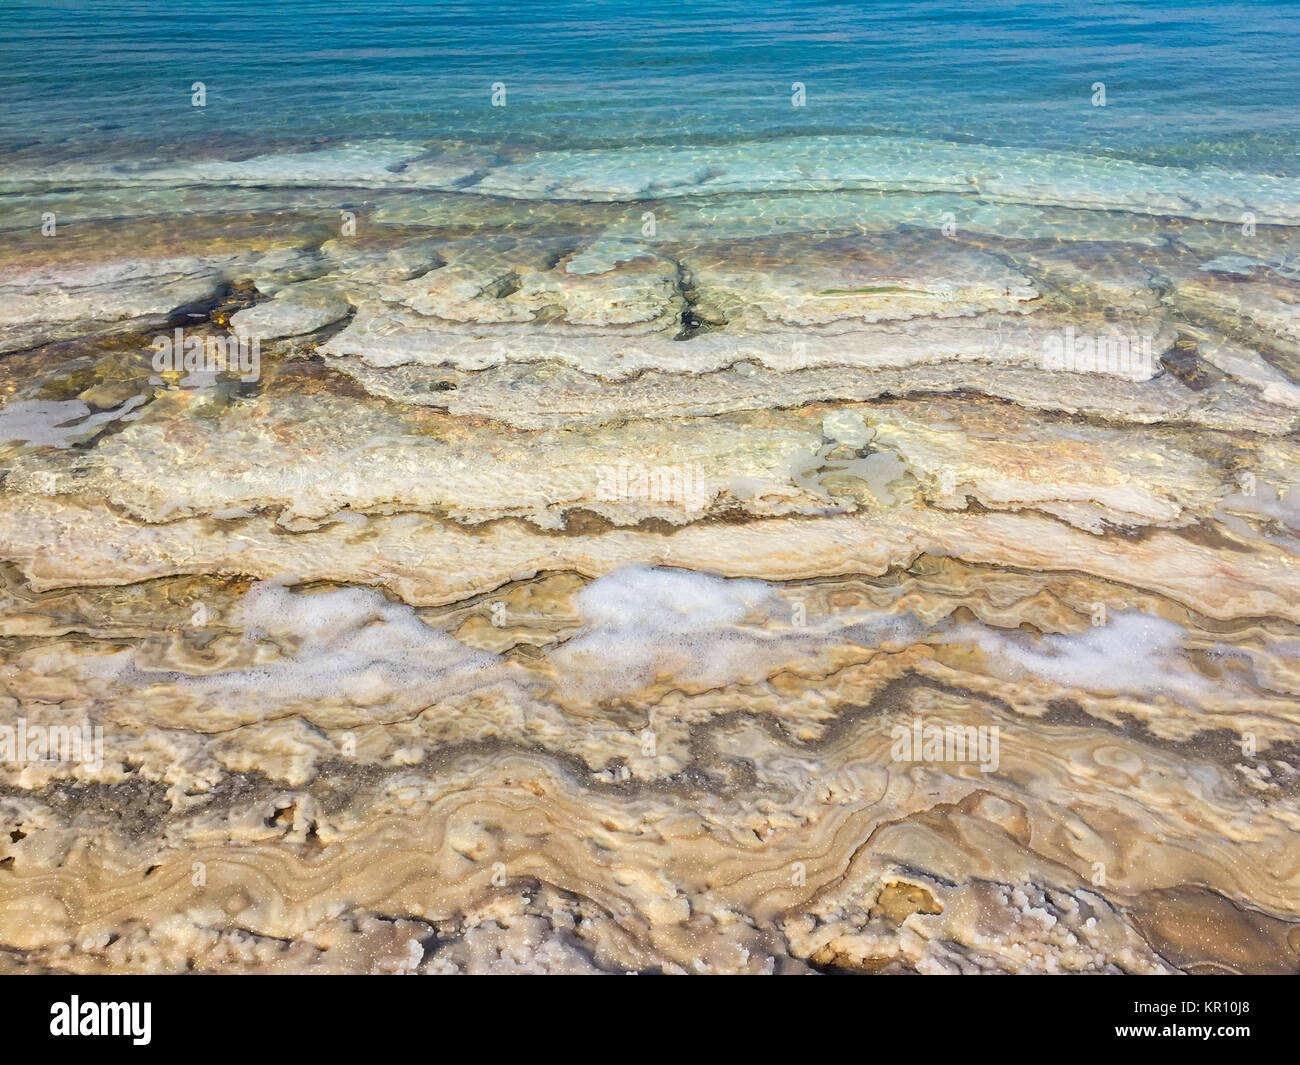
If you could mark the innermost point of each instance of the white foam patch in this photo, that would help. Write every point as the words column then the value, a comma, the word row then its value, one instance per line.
column 1134, row 653
column 644, row 623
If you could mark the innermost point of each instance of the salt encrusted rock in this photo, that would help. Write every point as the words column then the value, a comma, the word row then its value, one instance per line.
column 787, row 581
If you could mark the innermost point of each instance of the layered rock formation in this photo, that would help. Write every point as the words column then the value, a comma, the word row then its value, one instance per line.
column 578, row 576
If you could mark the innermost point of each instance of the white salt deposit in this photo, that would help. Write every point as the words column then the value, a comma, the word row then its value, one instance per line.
column 645, row 621
column 1133, row 653
column 351, row 644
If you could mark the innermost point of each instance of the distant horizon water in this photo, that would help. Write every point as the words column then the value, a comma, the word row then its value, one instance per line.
column 1184, row 84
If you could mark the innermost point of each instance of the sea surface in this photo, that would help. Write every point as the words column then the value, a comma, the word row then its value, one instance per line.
column 1187, row 83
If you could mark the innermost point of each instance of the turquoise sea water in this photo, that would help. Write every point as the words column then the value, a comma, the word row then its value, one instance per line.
column 1188, row 83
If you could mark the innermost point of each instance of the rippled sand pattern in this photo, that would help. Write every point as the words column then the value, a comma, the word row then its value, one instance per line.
column 598, row 563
